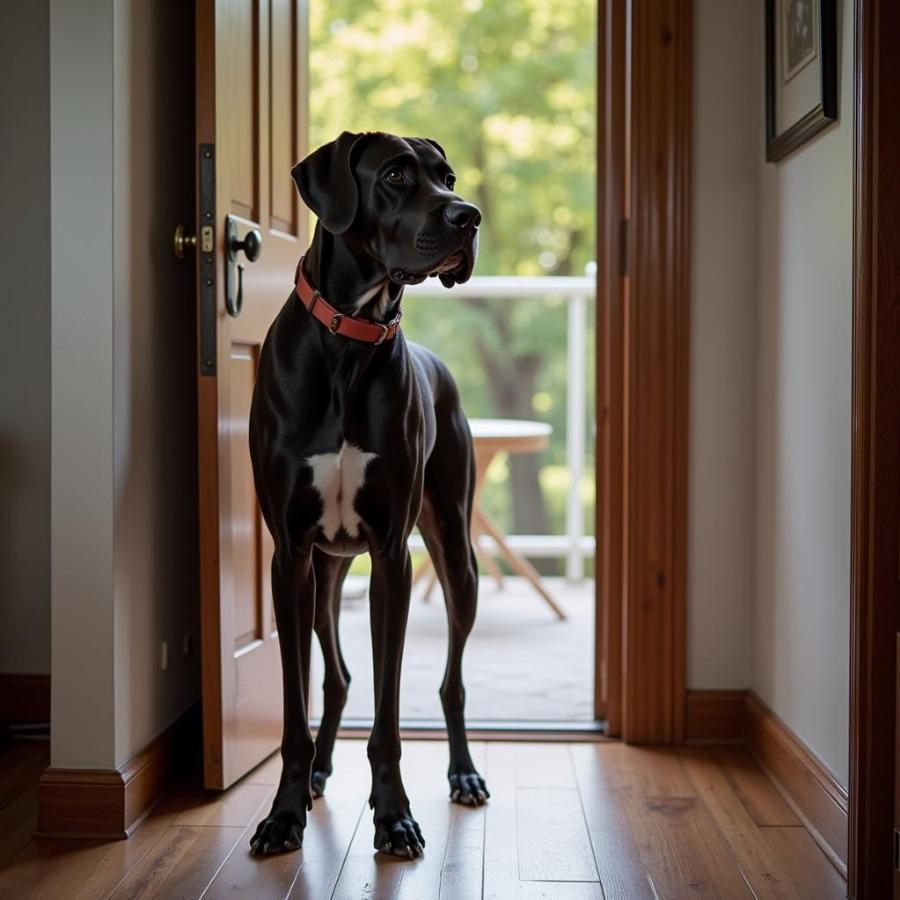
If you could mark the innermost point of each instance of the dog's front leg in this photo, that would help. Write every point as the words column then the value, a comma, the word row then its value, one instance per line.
column 396, row 831
column 293, row 592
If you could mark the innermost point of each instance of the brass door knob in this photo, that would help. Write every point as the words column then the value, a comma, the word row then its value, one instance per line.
column 182, row 242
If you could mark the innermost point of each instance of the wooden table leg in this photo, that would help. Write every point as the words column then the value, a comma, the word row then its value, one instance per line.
column 518, row 563
column 482, row 524
column 422, row 570
column 484, row 556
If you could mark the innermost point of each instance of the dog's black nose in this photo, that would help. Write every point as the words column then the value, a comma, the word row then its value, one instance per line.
column 462, row 215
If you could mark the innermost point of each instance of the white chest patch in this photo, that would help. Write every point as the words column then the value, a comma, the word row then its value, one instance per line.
column 338, row 477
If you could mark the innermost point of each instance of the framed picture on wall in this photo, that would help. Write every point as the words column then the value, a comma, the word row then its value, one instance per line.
column 801, row 72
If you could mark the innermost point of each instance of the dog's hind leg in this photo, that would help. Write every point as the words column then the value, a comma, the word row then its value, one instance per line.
column 445, row 525
column 330, row 574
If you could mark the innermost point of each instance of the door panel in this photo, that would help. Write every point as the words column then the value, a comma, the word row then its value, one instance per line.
column 250, row 80
column 283, row 130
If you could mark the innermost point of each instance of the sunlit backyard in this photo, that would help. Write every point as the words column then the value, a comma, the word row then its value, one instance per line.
column 507, row 88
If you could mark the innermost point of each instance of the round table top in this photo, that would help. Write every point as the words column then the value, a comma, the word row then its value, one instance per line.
column 511, row 435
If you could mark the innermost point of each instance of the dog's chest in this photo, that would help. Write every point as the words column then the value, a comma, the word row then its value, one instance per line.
column 338, row 477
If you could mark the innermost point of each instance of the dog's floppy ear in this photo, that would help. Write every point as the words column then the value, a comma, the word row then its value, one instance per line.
column 437, row 147
column 326, row 182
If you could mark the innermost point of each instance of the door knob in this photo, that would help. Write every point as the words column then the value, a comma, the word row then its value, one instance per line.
column 182, row 242
column 251, row 246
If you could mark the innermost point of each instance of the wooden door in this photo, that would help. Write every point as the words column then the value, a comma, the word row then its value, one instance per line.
column 250, row 126
column 896, row 842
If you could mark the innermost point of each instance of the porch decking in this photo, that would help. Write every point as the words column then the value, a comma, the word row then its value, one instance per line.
column 521, row 662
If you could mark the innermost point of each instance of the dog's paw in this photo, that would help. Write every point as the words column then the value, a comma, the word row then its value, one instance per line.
column 468, row 788
column 278, row 833
column 317, row 783
column 399, row 836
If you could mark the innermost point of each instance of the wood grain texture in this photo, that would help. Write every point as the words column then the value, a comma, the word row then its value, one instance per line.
column 108, row 803
column 757, row 863
column 656, row 372
column 242, row 67
column 636, row 822
column 875, row 449
column 816, row 795
column 806, row 789
column 181, row 864
column 501, row 839
column 553, row 840
column 714, row 717
column 753, row 788
column 602, row 779
column 803, row 860
column 612, row 294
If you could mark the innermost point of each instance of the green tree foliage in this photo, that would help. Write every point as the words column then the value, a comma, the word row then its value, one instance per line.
column 507, row 88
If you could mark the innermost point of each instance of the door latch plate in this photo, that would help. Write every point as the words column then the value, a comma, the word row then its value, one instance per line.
column 206, row 266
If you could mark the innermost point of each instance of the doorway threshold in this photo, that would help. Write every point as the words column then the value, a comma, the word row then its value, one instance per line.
column 486, row 730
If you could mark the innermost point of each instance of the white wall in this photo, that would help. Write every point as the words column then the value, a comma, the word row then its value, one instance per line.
column 25, row 358
column 155, row 420
column 769, row 545
column 124, row 549
column 801, row 610
column 81, row 185
column 723, row 343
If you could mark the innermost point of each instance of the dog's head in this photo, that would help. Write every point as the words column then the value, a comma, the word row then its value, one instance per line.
column 394, row 197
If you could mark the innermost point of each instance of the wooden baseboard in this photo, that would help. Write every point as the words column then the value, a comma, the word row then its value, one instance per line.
column 108, row 803
column 816, row 795
column 714, row 717
column 740, row 717
column 24, row 698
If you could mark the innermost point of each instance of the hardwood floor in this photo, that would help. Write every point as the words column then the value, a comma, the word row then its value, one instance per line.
column 564, row 821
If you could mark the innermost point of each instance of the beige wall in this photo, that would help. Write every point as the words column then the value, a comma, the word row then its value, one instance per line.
column 156, row 575
column 25, row 358
column 723, row 346
column 802, row 566
column 770, row 392
column 81, row 185
column 124, row 546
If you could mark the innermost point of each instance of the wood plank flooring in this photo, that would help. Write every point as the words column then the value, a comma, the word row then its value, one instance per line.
column 565, row 821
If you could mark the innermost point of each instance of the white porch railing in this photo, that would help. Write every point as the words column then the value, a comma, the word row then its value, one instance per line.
column 574, row 545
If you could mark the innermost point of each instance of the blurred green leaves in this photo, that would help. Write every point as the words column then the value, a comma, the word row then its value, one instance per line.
column 505, row 86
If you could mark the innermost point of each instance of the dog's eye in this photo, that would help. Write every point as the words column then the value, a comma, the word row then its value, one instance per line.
column 395, row 175
column 450, row 181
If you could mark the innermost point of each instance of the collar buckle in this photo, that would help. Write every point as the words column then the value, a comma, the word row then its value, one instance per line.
column 384, row 333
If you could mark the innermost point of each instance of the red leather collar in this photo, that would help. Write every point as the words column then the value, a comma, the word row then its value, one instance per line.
column 339, row 323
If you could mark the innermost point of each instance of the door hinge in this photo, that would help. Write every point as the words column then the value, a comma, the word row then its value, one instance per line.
column 896, row 850
column 624, row 246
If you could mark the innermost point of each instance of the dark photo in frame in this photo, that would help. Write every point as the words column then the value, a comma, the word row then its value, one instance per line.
column 801, row 72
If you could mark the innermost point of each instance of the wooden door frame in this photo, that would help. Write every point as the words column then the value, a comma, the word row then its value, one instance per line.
column 644, row 154
column 875, row 477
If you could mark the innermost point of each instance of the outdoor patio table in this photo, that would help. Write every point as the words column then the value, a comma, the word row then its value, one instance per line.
column 490, row 437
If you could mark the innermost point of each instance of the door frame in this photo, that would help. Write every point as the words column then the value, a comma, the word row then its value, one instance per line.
column 643, row 352
column 875, row 474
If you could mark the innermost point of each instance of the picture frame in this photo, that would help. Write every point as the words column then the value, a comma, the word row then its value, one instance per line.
column 801, row 73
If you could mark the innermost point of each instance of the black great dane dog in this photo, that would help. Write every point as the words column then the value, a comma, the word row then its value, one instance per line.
column 356, row 436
